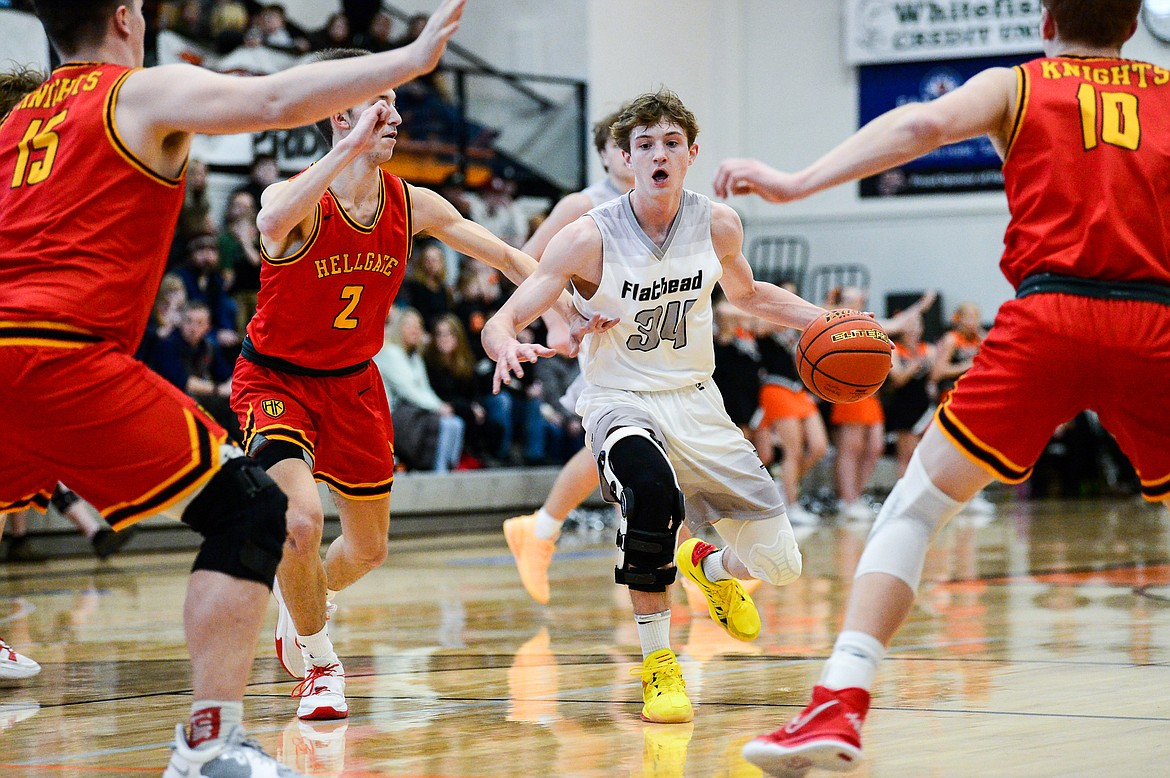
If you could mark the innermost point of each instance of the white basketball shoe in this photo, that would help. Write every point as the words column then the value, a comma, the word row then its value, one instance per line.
column 288, row 648
column 322, row 693
column 14, row 666
column 235, row 756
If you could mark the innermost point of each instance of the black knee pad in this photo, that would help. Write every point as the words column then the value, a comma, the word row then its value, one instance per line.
column 240, row 514
column 652, row 508
column 63, row 498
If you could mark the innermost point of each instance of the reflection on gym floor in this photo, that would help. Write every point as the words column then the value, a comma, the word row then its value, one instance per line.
column 1040, row 646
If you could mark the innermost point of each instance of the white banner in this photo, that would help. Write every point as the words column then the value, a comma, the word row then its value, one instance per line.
column 908, row 30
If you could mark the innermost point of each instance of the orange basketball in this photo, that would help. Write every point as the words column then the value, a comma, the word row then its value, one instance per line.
column 843, row 356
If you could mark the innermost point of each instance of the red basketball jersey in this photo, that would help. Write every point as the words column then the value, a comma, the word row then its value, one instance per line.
column 85, row 226
column 325, row 306
column 1088, row 171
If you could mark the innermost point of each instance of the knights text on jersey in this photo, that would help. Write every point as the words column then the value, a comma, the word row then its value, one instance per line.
column 1087, row 171
column 85, row 224
column 662, row 296
column 324, row 307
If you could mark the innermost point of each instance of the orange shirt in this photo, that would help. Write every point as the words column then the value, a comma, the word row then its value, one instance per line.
column 84, row 225
column 325, row 306
column 1087, row 172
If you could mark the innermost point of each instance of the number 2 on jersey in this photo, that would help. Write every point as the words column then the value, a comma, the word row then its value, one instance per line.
column 1119, row 118
column 40, row 136
column 345, row 320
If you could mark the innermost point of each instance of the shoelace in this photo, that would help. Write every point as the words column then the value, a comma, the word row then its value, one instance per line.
column 4, row 647
column 667, row 673
column 306, row 687
column 715, row 597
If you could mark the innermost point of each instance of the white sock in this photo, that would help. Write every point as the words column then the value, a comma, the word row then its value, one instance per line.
column 318, row 648
column 211, row 720
column 713, row 567
column 547, row 526
column 653, row 631
column 854, row 661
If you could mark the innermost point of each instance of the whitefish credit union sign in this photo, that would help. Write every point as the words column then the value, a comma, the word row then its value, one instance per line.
column 879, row 31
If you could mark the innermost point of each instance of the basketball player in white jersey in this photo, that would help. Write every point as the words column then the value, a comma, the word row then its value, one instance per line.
column 532, row 538
column 654, row 419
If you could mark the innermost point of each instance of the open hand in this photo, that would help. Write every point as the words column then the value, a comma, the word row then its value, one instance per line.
column 508, row 363
column 750, row 176
column 428, row 48
column 580, row 327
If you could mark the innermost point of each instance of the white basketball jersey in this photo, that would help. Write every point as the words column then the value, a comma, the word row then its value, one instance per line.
column 662, row 296
column 601, row 192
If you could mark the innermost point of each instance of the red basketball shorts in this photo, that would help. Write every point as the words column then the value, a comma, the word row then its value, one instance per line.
column 342, row 423
column 81, row 412
column 1051, row 356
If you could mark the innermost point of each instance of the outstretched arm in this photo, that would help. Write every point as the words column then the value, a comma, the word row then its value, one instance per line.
column 571, row 248
column 435, row 216
column 288, row 208
column 186, row 99
column 985, row 105
column 767, row 301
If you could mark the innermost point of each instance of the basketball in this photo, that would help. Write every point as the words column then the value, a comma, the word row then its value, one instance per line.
column 843, row 356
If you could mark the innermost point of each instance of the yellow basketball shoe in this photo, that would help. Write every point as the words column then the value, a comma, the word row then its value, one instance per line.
column 664, row 692
column 533, row 555
column 727, row 602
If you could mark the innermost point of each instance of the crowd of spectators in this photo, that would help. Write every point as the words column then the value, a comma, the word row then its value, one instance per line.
column 250, row 38
column 438, row 377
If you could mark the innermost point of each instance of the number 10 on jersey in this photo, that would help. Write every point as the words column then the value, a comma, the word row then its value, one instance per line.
column 1119, row 118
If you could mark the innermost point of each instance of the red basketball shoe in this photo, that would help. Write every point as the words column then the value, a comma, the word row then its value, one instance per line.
column 826, row 735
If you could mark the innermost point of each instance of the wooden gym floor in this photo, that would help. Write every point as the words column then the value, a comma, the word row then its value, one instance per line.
column 1040, row 647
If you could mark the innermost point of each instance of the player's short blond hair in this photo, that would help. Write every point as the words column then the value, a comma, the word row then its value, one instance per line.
column 647, row 110
column 15, row 84
column 1095, row 22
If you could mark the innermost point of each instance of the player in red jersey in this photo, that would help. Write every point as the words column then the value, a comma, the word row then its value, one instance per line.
column 1084, row 137
column 336, row 241
column 14, row 85
column 92, row 168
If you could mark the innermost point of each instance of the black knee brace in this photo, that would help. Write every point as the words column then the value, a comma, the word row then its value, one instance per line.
column 652, row 511
column 64, row 498
column 240, row 514
column 273, row 451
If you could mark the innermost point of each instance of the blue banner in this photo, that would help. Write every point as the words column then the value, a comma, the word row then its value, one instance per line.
column 968, row 166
